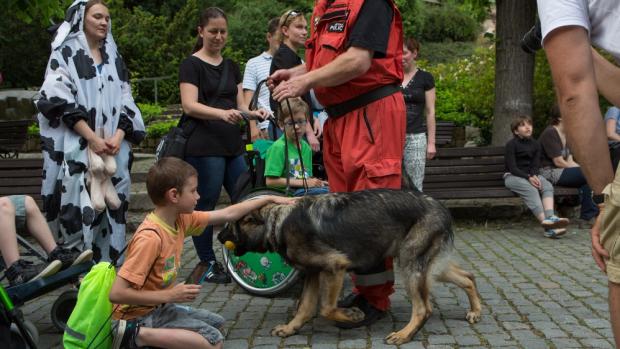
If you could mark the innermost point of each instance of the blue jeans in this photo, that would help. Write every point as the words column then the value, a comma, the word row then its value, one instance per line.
column 311, row 191
column 213, row 172
column 573, row 178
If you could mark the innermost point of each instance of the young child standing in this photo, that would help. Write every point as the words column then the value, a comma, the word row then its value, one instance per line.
column 522, row 165
column 145, row 287
column 293, row 121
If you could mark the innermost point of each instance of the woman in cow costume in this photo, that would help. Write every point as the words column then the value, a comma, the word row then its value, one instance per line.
column 86, row 110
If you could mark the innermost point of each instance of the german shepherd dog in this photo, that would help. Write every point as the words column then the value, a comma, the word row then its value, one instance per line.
column 327, row 235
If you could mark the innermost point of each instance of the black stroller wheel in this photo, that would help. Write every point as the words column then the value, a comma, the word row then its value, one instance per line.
column 62, row 308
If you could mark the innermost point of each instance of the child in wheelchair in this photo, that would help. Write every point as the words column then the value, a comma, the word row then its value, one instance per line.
column 288, row 163
column 20, row 213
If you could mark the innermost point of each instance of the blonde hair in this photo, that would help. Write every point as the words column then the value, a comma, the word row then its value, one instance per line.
column 285, row 20
column 297, row 104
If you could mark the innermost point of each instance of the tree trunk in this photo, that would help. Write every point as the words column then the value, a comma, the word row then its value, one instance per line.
column 514, row 69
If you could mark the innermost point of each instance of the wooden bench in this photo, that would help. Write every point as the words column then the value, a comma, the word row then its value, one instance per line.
column 13, row 137
column 24, row 176
column 444, row 133
column 471, row 173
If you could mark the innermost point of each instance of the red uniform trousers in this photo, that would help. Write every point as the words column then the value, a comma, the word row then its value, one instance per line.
column 363, row 149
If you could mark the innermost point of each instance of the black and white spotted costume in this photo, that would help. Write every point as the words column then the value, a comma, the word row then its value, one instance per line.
column 76, row 89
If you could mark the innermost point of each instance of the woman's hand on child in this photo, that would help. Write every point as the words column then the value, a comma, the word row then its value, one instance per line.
column 183, row 293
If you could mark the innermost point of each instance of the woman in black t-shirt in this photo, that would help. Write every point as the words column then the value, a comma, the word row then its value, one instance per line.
column 215, row 147
column 292, row 36
column 419, row 92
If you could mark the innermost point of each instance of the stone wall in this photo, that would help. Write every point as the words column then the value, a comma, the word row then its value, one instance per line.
column 17, row 104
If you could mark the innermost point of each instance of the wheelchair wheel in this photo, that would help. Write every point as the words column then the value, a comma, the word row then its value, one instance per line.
column 17, row 339
column 62, row 308
column 261, row 274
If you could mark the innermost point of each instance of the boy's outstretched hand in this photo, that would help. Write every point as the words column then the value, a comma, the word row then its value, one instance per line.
column 282, row 200
column 183, row 293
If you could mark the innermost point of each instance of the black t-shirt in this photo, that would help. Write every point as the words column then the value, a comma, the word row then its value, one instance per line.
column 415, row 100
column 372, row 27
column 213, row 137
column 285, row 58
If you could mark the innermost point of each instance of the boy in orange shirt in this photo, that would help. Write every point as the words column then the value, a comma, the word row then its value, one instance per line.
column 145, row 285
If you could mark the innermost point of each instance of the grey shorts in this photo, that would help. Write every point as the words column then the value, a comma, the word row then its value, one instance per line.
column 19, row 202
column 204, row 322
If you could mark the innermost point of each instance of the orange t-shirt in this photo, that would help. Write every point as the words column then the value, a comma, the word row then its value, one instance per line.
column 153, row 258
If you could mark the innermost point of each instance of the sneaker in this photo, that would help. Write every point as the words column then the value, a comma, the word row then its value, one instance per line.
column 24, row 271
column 349, row 300
column 554, row 233
column 125, row 335
column 70, row 257
column 371, row 314
column 554, row 222
column 216, row 274
column 211, row 271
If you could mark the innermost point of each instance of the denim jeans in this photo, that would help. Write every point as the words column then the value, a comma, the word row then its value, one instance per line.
column 213, row 172
column 573, row 177
column 311, row 191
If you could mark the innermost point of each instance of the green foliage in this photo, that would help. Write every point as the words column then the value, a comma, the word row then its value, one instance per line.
column 33, row 130
column 447, row 22
column 159, row 128
column 464, row 89
column 39, row 11
column 150, row 111
column 445, row 52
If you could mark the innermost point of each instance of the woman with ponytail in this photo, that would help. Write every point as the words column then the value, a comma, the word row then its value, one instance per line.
column 212, row 101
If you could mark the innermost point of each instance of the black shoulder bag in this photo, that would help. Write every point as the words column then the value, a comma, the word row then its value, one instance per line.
column 175, row 141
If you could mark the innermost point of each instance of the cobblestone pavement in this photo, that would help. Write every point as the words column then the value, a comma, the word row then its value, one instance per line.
column 536, row 293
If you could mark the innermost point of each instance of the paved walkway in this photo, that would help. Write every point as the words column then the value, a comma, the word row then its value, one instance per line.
column 536, row 293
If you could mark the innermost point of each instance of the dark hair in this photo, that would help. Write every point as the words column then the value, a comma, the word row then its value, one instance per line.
column 91, row 3
column 518, row 121
column 203, row 21
column 297, row 104
column 555, row 117
column 412, row 44
column 167, row 173
column 273, row 25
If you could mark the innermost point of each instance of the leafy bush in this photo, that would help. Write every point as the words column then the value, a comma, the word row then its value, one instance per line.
column 159, row 128
column 149, row 111
column 33, row 130
column 445, row 52
column 446, row 23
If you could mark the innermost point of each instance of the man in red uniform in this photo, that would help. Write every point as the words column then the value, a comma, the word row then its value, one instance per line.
column 354, row 65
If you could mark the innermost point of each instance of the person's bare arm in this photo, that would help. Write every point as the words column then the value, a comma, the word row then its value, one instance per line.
column 578, row 99
column 236, row 211
column 349, row 65
column 607, row 77
column 123, row 293
column 294, row 182
column 610, row 127
column 191, row 106
column 560, row 162
column 430, row 123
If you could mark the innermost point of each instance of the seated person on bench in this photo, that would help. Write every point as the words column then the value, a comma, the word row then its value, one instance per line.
column 293, row 121
column 20, row 213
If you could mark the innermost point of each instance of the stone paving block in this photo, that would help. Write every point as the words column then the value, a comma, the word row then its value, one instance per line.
column 352, row 344
column 565, row 343
column 534, row 344
column 596, row 343
column 270, row 340
column 324, row 346
column 296, row 340
column 239, row 333
column 441, row 339
column 499, row 340
column 410, row 345
column 237, row 344
column 466, row 340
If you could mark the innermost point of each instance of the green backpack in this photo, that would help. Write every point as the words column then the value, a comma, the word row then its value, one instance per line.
column 89, row 325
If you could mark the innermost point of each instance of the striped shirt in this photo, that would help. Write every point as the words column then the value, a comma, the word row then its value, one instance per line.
column 257, row 69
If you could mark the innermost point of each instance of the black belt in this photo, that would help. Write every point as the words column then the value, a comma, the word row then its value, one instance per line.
column 338, row 110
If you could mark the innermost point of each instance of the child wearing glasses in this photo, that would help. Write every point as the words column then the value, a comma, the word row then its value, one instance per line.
column 291, row 146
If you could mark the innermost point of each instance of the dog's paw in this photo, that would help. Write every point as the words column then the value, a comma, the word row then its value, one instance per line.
column 354, row 314
column 283, row 331
column 397, row 338
column 473, row 317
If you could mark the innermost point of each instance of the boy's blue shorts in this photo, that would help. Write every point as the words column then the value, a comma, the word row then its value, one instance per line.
column 19, row 202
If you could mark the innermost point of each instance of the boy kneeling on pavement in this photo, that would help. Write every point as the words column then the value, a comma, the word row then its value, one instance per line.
column 145, row 285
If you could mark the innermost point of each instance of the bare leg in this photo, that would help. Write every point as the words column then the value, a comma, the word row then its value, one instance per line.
column 417, row 287
column 465, row 280
column 306, row 309
column 8, row 236
column 614, row 310
column 331, row 285
column 173, row 338
column 37, row 226
column 547, row 204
